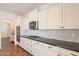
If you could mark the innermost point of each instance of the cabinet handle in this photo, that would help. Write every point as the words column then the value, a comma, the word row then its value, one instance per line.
column 73, row 54
column 58, row 55
column 49, row 47
column 61, row 27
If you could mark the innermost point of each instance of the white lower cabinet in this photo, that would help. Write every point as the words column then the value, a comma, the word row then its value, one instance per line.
column 42, row 49
column 69, row 52
column 28, row 45
column 51, row 47
column 36, row 50
column 22, row 42
column 47, row 52
column 39, row 50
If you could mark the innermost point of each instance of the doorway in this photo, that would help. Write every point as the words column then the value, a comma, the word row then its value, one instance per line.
column 5, row 34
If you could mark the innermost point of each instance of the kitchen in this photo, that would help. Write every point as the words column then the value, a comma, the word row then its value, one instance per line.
column 47, row 30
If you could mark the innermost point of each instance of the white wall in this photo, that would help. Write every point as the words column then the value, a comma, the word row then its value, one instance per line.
column 7, row 16
column 5, row 30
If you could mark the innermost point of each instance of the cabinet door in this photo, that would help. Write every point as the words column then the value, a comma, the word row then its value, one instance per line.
column 36, row 50
column 42, row 19
column 26, row 46
column 25, row 23
column 54, row 16
column 69, row 52
column 39, row 50
column 50, row 47
column 18, row 20
column 71, row 15
column 22, row 42
column 33, row 15
column 47, row 52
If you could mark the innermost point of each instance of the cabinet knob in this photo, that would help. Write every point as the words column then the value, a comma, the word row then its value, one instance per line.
column 73, row 54
column 61, row 27
column 58, row 55
column 49, row 47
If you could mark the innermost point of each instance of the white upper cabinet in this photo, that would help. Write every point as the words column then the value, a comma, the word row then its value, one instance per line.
column 54, row 16
column 33, row 15
column 18, row 20
column 71, row 15
column 42, row 19
column 25, row 23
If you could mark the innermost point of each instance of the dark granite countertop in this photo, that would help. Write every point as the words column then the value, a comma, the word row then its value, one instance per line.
column 63, row 44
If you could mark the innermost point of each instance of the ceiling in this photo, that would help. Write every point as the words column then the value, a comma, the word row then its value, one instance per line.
column 19, row 8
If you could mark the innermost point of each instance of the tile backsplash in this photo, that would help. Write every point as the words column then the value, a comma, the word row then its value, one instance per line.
column 71, row 35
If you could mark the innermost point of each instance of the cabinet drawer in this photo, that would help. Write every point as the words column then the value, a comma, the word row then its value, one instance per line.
column 46, row 52
column 55, row 48
column 54, row 53
column 69, row 52
column 51, row 47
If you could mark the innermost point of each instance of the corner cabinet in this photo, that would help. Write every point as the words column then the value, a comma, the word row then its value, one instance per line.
column 54, row 16
column 71, row 15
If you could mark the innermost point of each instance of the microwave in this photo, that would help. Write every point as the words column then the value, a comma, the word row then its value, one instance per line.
column 33, row 25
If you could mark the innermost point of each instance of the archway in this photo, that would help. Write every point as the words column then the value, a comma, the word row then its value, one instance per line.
column 12, row 28
column 5, row 34
column 5, row 29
